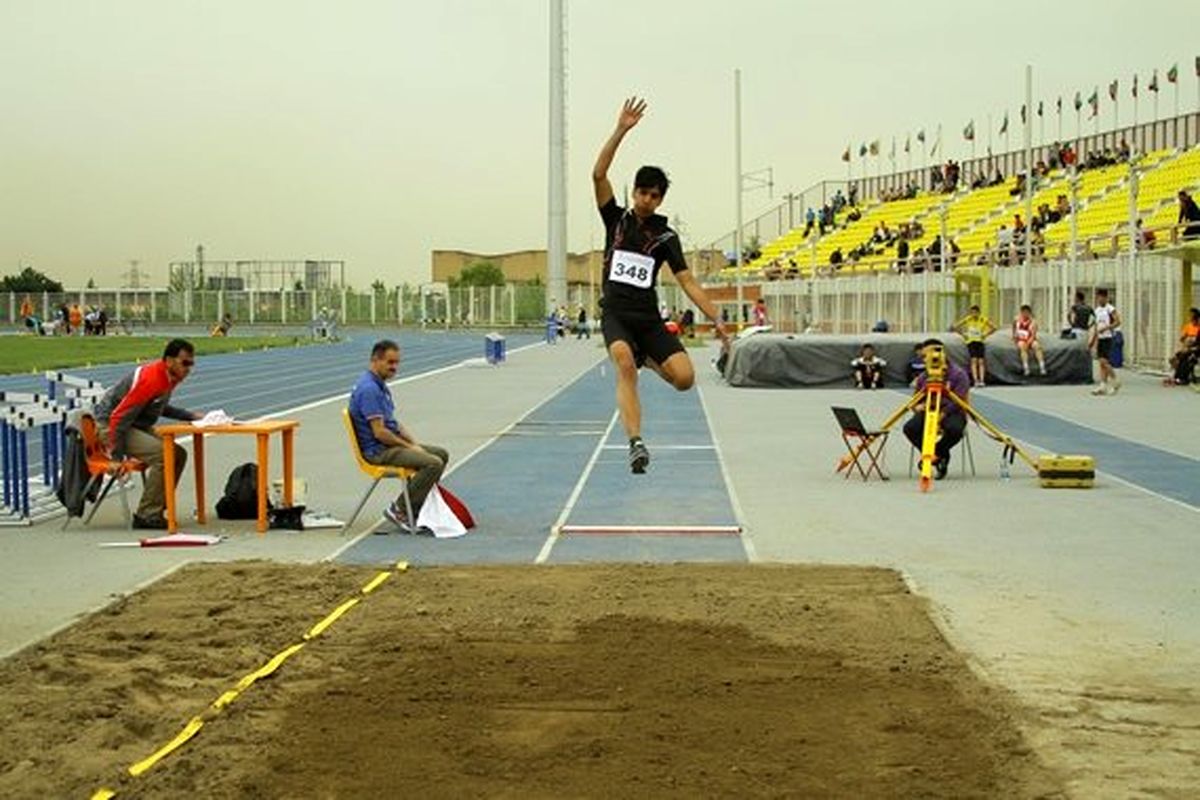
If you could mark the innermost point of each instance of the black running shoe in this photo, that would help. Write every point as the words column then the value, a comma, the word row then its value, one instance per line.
column 639, row 457
column 941, row 467
column 156, row 523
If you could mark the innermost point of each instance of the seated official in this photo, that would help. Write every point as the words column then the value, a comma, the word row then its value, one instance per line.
column 127, row 413
column 383, row 440
column 868, row 368
column 952, row 419
column 1183, row 363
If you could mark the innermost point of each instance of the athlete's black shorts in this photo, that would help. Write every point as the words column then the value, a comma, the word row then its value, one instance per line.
column 1104, row 348
column 975, row 349
column 647, row 336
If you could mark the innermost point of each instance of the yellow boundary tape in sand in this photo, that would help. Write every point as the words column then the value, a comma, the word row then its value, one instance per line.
column 226, row 698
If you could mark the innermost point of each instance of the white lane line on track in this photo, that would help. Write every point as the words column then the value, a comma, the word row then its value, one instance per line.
column 556, row 528
column 746, row 536
column 555, row 393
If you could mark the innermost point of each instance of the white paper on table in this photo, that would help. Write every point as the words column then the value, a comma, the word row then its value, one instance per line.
column 213, row 418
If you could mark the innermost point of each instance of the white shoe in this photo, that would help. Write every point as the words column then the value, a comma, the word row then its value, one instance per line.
column 1114, row 387
column 1100, row 390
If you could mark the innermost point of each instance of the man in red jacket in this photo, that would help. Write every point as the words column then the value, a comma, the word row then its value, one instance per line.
column 126, row 416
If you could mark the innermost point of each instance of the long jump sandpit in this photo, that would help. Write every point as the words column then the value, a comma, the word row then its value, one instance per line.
column 577, row 681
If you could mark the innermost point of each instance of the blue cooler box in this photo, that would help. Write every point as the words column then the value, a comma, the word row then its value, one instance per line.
column 493, row 348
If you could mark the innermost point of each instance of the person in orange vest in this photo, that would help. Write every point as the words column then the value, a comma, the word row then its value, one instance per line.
column 76, row 317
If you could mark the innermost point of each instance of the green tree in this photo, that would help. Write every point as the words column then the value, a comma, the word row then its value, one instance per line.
column 29, row 280
column 481, row 273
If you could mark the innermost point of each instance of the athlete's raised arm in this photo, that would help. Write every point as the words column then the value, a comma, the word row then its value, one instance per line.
column 631, row 114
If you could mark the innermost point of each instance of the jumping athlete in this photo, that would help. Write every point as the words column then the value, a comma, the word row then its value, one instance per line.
column 637, row 243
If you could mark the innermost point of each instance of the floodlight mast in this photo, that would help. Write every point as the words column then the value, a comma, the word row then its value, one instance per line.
column 556, row 240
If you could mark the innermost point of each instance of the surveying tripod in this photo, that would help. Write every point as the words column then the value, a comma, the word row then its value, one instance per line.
column 931, row 397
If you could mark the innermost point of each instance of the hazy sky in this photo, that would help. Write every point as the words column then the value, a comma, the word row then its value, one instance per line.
column 377, row 130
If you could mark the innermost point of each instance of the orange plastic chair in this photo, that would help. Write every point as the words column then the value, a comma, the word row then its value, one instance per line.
column 377, row 472
column 99, row 465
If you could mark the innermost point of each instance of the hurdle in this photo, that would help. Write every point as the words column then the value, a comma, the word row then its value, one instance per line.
column 26, row 502
column 27, row 499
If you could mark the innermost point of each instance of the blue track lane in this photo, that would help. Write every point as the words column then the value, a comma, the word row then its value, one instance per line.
column 1160, row 471
column 519, row 485
column 252, row 384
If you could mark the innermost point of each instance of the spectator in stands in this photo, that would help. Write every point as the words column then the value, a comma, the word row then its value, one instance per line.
column 1063, row 207
column 1183, row 363
column 760, row 313
column 854, row 216
column 953, row 420
column 1145, row 238
column 935, row 179
column 1025, row 334
column 1123, row 151
column 839, row 201
column 810, row 219
column 854, row 194
column 1004, row 243
column 979, row 181
column 997, row 178
column 868, row 368
column 1189, row 213
column 902, row 255
column 835, row 258
column 1079, row 318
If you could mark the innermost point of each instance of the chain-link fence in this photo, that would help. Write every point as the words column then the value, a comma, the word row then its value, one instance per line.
column 511, row 305
column 1148, row 291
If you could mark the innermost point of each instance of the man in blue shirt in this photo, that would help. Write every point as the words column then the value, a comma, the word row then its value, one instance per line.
column 383, row 440
column 953, row 420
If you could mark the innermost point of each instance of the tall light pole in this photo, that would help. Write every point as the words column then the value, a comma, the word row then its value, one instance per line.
column 737, row 168
column 556, row 240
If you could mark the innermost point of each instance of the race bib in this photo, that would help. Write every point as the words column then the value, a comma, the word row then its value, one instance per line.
column 633, row 269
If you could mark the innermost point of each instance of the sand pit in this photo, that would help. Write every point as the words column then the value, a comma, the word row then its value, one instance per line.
column 522, row 681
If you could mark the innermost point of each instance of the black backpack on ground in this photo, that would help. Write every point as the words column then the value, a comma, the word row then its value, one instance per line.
column 241, row 494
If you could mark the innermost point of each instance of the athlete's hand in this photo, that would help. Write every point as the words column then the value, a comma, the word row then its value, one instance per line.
column 631, row 113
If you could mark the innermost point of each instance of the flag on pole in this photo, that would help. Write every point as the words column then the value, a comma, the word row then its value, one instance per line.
column 969, row 131
column 1094, row 101
column 1060, row 104
column 921, row 133
column 875, row 148
column 1153, row 85
column 1004, row 124
column 1134, row 87
column 1041, row 110
column 862, row 149
column 846, row 154
column 1173, row 74
column 1024, row 114
column 1078, row 101
column 908, row 143
column 1198, row 66
column 1112, row 90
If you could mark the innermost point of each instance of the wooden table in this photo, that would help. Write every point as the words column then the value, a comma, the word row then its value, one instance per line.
column 262, row 430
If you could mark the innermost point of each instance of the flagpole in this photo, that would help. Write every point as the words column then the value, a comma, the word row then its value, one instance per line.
column 989, row 150
column 1155, row 105
column 1028, row 186
column 1177, row 95
column 1059, row 112
column 1041, row 130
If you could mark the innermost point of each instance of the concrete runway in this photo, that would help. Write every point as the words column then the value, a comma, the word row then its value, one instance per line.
column 1081, row 602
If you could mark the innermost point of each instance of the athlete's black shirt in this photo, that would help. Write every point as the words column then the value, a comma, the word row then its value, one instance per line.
column 652, row 238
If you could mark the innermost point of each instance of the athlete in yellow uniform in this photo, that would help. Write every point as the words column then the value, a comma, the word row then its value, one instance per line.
column 974, row 328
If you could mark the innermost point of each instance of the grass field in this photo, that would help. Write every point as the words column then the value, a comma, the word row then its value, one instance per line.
column 22, row 354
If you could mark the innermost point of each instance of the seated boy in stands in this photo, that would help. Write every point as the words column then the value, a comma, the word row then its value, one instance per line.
column 1025, row 334
column 868, row 368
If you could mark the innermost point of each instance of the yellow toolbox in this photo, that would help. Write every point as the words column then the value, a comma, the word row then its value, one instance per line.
column 1066, row 472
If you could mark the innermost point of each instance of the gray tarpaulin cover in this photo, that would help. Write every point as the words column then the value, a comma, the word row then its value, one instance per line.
column 800, row 360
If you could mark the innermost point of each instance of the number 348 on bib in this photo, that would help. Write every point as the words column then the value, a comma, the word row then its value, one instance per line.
column 634, row 269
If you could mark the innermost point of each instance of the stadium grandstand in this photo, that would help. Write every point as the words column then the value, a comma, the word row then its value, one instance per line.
column 909, row 250
column 1101, row 175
